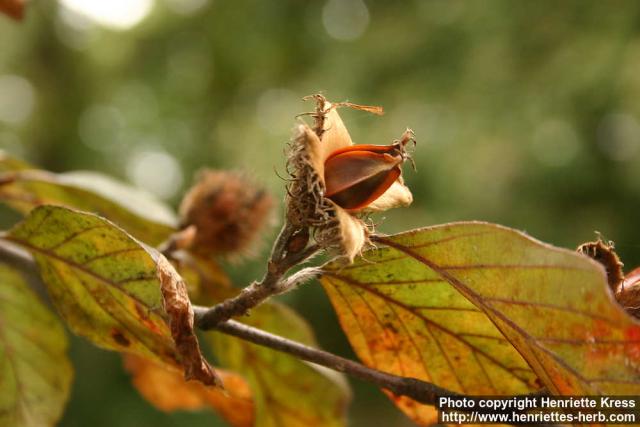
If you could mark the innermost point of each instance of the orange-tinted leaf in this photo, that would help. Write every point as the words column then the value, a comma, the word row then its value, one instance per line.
column 437, row 304
column 13, row 8
column 168, row 391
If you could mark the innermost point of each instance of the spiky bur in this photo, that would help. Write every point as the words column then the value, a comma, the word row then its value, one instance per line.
column 224, row 214
column 307, row 204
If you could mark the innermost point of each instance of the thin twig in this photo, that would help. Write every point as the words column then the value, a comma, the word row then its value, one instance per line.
column 280, row 261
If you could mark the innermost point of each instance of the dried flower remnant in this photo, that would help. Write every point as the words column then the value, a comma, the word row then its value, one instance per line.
column 335, row 181
column 228, row 212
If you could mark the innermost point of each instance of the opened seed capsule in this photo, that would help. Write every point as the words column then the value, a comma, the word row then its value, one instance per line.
column 356, row 176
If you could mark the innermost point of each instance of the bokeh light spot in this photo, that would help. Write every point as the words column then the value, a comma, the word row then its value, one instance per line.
column 345, row 19
column 555, row 142
column 17, row 99
column 275, row 109
column 99, row 127
column 114, row 14
column 619, row 136
column 156, row 171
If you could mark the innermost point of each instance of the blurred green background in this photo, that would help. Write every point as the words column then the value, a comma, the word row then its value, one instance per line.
column 526, row 114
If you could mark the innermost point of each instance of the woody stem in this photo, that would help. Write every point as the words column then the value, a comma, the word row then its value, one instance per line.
column 418, row 390
column 273, row 283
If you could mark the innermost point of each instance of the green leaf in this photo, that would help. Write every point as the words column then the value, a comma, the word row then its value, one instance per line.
column 102, row 281
column 437, row 304
column 35, row 372
column 138, row 213
column 287, row 392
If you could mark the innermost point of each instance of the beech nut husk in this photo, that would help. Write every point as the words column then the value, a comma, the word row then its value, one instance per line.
column 334, row 182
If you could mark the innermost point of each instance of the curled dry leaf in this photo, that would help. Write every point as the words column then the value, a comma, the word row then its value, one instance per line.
column 168, row 391
column 178, row 307
column 334, row 181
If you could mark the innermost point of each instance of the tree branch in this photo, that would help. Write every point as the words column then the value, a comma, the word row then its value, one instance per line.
column 416, row 389
column 283, row 257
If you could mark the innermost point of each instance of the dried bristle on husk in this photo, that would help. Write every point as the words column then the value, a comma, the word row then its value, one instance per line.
column 229, row 212
column 306, row 204
column 604, row 253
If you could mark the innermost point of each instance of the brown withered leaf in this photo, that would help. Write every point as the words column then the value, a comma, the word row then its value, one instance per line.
column 167, row 390
column 13, row 8
column 178, row 307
